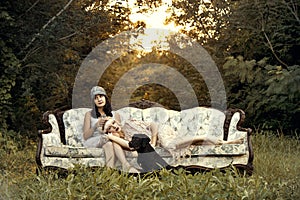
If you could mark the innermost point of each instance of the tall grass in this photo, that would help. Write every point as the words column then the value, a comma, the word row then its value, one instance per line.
column 276, row 176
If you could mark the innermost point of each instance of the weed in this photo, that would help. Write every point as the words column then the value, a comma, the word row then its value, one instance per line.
column 276, row 176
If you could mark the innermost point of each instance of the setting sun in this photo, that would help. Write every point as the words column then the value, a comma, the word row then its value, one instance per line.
column 153, row 21
column 156, row 20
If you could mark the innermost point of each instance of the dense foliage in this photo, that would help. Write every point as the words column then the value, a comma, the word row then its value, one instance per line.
column 269, row 94
column 254, row 43
column 10, row 69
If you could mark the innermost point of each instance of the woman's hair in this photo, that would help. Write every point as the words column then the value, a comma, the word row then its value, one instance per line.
column 107, row 109
column 103, row 125
column 121, row 133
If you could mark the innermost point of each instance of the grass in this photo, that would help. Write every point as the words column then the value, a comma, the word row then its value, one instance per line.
column 276, row 176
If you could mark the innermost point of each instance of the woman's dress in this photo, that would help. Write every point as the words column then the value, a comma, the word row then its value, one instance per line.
column 132, row 127
column 98, row 139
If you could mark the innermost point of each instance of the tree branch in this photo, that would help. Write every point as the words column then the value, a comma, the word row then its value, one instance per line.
column 32, row 6
column 273, row 52
column 68, row 36
column 47, row 24
column 293, row 9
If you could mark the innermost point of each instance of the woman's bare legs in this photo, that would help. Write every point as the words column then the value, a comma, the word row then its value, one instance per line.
column 154, row 130
column 186, row 141
column 201, row 140
column 109, row 154
column 235, row 141
column 121, row 156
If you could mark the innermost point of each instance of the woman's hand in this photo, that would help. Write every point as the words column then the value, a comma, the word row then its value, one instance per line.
column 101, row 122
column 110, row 136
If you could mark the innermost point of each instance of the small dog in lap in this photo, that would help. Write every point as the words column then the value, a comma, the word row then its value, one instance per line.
column 148, row 158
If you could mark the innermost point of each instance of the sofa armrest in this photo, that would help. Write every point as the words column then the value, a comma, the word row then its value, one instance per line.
column 49, row 136
column 246, row 133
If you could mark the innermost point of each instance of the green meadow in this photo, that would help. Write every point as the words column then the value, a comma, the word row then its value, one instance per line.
column 276, row 176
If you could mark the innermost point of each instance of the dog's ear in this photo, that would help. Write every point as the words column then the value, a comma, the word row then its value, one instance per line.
column 145, row 142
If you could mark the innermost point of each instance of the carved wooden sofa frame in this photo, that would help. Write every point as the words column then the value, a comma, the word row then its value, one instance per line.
column 62, row 151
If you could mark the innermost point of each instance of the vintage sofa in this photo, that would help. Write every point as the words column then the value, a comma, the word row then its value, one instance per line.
column 60, row 145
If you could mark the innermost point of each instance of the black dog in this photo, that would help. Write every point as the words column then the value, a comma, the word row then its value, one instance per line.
column 147, row 158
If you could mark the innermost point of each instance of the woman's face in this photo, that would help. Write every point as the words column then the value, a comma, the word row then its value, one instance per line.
column 100, row 100
column 112, row 126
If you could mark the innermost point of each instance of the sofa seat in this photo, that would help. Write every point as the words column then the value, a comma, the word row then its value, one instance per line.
column 66, row 151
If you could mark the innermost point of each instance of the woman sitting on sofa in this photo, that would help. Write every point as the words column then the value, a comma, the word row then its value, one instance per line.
column 94, row 137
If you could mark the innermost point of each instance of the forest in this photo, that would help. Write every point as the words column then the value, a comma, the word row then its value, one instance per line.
column 255, row 46
column 248, row 53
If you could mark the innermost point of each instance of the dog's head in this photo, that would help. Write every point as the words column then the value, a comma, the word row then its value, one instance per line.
column 139, row 141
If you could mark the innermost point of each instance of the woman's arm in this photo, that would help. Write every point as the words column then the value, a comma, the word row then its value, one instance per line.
column 87, row 129
column 123, row 143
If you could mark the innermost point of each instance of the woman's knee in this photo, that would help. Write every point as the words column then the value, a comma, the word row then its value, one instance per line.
column 108, row 145
column 116, row 145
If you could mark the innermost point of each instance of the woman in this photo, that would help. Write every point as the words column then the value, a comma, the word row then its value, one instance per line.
column 123, row 134
column 94, row 137
column 91, row 134
column 177, row 146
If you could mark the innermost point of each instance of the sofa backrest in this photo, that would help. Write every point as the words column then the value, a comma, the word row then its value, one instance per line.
column 195, row 121
column 73, row 121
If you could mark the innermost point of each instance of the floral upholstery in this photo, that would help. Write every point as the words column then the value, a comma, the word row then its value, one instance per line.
column 73, row 121
column 73, row 152
column 204, row 121
column 54, row 137
column 233, row 132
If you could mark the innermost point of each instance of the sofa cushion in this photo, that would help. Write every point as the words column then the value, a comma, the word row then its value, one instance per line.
column 166, row 136
column 219, row 150
column 202, row 150
column 224, row 150
column 73, row 152
column 83, row 152
column 207, row 122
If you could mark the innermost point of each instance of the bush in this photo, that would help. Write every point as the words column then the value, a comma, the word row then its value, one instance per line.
column 269, row 94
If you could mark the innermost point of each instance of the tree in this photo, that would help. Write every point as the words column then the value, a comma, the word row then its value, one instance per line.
column 10, row 67
column 264, row 28
column 50, row 51
column 43, row 44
